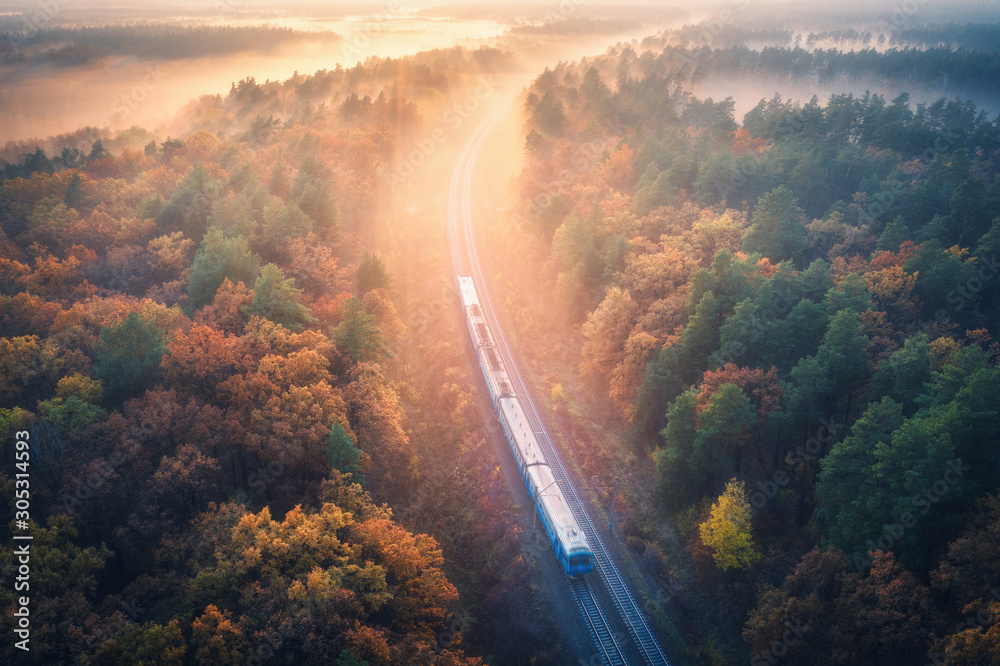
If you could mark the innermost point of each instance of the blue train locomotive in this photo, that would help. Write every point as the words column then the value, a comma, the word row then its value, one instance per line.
column 564, row 531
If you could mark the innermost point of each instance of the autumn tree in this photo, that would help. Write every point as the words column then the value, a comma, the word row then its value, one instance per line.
column 64, row 590
column 969, row 579
column 888, row 613
column 204, row 357
column 617, row 170
column 728, row 530
column 280, row 185
column 628, row 374
column 379, row 305
column 826, row 612
column 171, row 253
column 217, row 639
column 373, row 408
column 336, row 579
column 606, row 330
column 17, row 357
column 76, row 403
column 226, row 311
column 805, row 602
column 146, row 643
column 970, row 569
column 973, row 645
column 314, row 266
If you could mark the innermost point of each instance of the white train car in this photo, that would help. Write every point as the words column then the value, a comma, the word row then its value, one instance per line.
column 564, row 531
column 482, row 339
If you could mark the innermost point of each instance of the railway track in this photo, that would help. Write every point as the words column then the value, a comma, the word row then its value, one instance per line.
column 597, row 623
column 465, row 260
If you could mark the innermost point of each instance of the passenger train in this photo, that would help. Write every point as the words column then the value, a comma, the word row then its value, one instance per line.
column 564, row 531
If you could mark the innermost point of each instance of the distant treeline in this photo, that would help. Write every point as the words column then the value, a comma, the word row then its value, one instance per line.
column 981, row 37
column 966, row 69
column 576, row 26
column 75, row 46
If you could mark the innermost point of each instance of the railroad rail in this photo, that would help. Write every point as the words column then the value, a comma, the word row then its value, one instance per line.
column 465, row 260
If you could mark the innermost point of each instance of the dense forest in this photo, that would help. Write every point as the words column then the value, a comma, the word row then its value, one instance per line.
column 257, row 431
column 206, row 356
column 794, row 319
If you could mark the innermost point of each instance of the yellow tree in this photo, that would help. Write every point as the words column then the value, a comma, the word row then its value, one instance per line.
column 171, row 253
column 977, row 644
column 727, row 531
column 219, row 640
column 378, row 303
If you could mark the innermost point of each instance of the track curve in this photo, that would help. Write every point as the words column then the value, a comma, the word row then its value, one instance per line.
column 465, row 261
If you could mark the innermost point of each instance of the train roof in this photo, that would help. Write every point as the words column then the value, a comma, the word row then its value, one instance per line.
column 556, row 506
column 559, row 511
column 551, row 497
column 467, row 291
column 522, row 432
column 496, row 374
